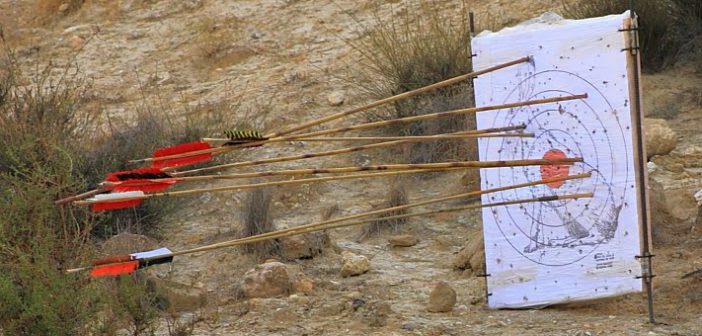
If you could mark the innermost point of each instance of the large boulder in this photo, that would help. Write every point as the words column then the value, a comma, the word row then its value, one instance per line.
column 659, row 137
column 266, row 280
column 673, row 182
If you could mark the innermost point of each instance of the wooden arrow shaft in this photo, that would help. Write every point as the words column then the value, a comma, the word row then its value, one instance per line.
column 400, row 96
column 481, row 133
column 327, row 153
column 319, row 227
column 429, row 116
column 389, row 138
column 483, row 205
column 437, row 115
column 302, row 230
column 438, row 167
column 380, row 211
column 399, row 166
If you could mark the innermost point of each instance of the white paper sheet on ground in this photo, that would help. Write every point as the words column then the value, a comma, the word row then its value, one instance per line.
column 553, row 252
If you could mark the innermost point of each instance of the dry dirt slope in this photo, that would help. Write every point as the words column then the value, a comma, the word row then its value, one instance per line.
column 285, row 56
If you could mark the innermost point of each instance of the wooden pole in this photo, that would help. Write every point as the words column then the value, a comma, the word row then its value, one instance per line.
column 440, row 167
column 429, row 116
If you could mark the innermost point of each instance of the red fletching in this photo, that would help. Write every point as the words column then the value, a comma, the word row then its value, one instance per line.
column 184, row 161
column 102, row 206
column 115, row 269
column 142, row 185
column 113, row 259
column 181, row 149
column 139, row 173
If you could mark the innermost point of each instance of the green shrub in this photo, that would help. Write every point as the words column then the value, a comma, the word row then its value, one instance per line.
column 38, row 159
column 50, row 148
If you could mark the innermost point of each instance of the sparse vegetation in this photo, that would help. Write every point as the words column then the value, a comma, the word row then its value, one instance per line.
column 50, row 148
column 397, row 195
column 256, row 218
column 411, row 50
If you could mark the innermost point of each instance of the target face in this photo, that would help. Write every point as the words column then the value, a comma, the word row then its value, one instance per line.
column 566, row 129
column 549, row 252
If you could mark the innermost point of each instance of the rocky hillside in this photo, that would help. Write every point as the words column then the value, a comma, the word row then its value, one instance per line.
column 280, row 62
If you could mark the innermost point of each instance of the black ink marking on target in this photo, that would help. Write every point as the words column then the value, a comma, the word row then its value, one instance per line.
column 546, row 232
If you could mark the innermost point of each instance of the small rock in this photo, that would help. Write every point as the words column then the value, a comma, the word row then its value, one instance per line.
column 63, row 7
column 357, row 303
column 299, row 299
column 660, row 138
column 303, row 246
column 303, row 285
column 442, row 298
column 409, row 326
column 206, row 197
column 698, row 197
column 336, row 98
column 269, row 279
column 472, row 256
column 354, row 264
column 405, row 240
column 76, row 42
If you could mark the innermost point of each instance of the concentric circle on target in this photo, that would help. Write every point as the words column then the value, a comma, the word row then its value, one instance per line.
column 545, row 232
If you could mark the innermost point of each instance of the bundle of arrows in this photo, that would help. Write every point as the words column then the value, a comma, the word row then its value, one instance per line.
column 126, row 264
column 129, row 188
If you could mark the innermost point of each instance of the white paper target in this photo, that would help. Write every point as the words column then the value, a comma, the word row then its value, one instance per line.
column 553, row 252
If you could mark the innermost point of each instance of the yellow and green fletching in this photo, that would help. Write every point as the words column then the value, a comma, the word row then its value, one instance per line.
column 242, row 136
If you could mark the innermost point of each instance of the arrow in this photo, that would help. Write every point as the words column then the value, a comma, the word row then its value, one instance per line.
column 149, row 173
column 389, row 138
column 429, row 116
column 338, row 222
column 121, row 200
column 337, row 151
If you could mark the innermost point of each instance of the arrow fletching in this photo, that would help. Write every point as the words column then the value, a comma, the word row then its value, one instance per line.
column 135, row 174
column 116, row 200
column 181, row 149
column 114, row 269
column 128, row 263
column 141, row 185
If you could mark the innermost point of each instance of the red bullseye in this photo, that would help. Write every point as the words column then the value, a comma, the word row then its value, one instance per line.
column 551, row 171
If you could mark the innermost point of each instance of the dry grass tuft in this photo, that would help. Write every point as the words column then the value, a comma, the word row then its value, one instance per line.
column 397, row 195
column 416, row 48
column 256, row 217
